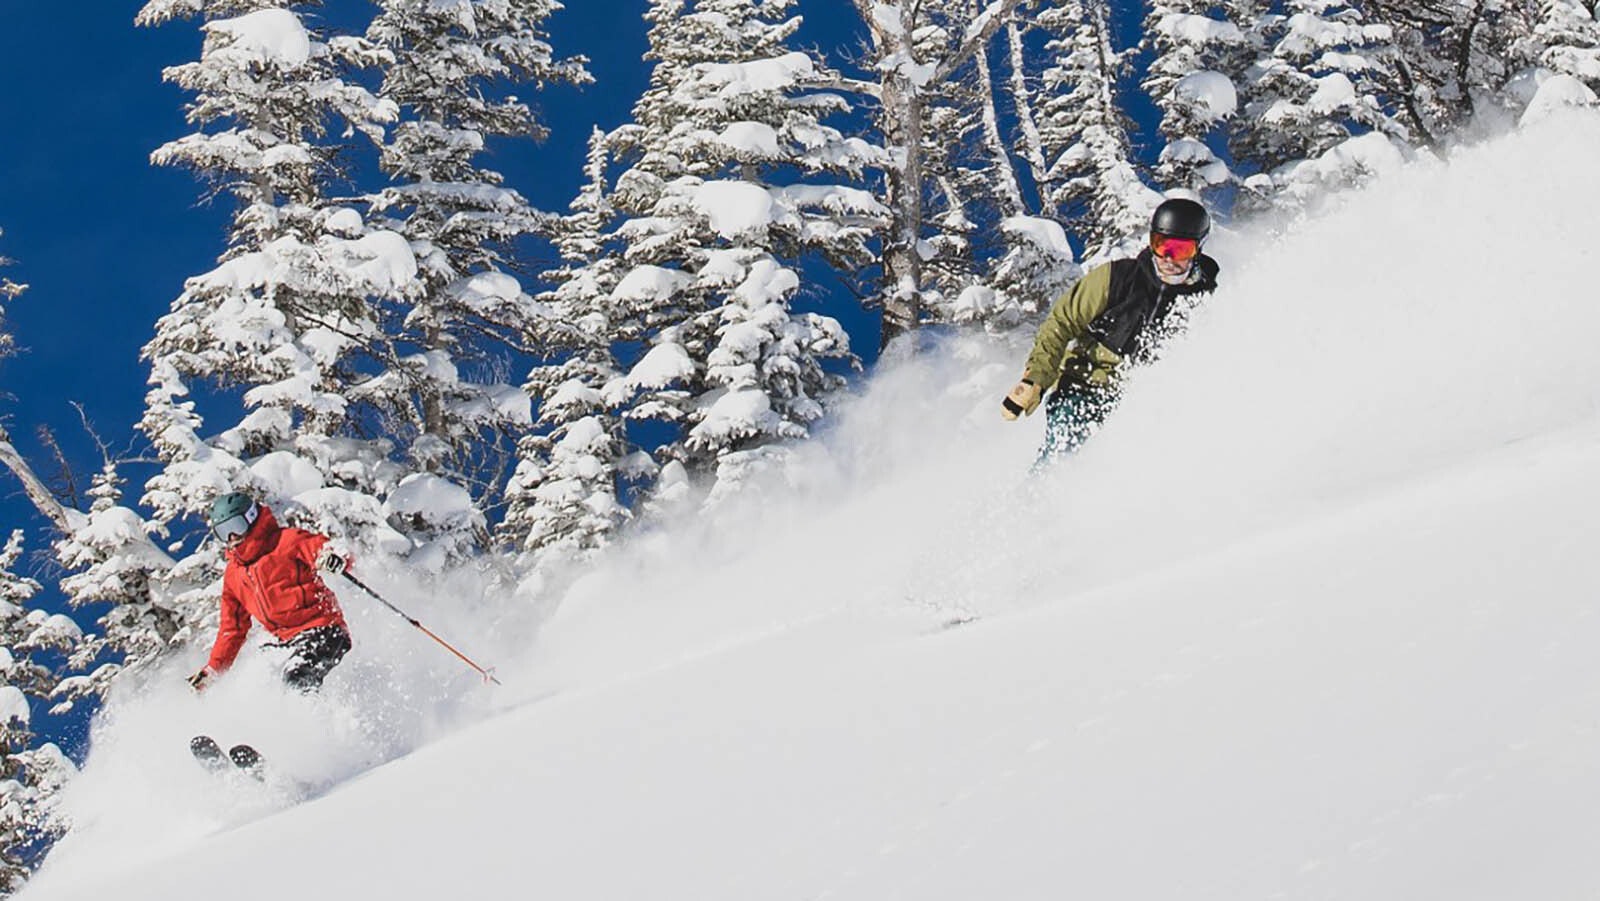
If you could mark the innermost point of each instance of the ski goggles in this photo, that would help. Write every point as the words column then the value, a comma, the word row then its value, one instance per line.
column 1178, row 250
column 236, row 526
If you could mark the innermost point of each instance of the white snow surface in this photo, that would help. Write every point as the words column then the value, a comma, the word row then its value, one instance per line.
column 1314, row 616
column 1555, row 94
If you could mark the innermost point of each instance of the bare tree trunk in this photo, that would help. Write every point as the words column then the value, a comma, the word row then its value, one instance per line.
column 33, row 486
column 1027, row 124
column 1010, row 192
column 902, row 261
column 901, row 113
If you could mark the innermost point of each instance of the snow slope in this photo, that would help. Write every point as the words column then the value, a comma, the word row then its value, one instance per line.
column 1314, row 617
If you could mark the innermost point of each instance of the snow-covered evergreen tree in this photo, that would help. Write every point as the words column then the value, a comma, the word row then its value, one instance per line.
column 564, row 500
column 713, row 219
column 31, row 772
column 1568, row 40
column 1091, row 179
column 1318, row 87
column 156, row 603
column 970, row 179
column 1195, row 47
column 292, row 315
column 455, row 69
column 1456, row 58
column 36, row 650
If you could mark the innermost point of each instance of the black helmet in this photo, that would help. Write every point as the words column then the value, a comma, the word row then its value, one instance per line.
column 1180, row 218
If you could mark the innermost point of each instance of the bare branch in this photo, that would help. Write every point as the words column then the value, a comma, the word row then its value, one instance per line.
column 998, row 13
column 65, row 485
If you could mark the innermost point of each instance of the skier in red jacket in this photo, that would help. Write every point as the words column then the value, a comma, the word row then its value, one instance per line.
column 273, row 578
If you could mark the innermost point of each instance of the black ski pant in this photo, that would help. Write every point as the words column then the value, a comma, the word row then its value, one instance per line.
column 312, row 654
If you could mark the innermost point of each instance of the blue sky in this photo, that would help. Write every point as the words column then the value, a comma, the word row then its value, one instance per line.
column 105, row 240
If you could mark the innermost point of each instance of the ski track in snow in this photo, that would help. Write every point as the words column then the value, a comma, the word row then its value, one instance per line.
column 1314, row 616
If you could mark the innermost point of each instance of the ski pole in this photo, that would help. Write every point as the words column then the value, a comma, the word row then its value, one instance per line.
column 487, row 674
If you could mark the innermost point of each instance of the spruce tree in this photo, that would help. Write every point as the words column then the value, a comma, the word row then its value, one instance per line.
column 916, row 47
column 31, row 773
column 564, row 498
column 1453, row 57
column 1189, row 81
column 1567, row 40
column 1318, row 86
column 1091, row 180
column 35, row 648
column 455, row 77
column 290, row 321
column 730, row 175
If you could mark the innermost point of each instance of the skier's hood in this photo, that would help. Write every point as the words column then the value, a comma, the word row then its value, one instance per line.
column 260, row 540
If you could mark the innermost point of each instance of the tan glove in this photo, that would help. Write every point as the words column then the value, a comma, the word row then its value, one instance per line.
column 1023, row 399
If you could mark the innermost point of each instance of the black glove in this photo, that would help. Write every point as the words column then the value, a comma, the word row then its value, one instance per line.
column 200, row 680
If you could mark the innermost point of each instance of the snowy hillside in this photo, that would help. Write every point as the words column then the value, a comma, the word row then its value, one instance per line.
column 1314, row 617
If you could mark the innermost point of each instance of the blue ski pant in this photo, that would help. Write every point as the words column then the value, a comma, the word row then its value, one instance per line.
column 1072, row 413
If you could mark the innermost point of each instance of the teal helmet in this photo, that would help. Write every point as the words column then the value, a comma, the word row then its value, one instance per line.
column 233, row 514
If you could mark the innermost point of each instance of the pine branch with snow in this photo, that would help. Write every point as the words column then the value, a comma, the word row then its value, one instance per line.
column 1190, row 82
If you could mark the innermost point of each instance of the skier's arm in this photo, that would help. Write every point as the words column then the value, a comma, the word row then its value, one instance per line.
column 1068, row 320
column 232, row 627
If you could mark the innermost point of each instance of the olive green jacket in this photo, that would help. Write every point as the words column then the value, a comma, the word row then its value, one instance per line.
column 1064, row 335
column 1114, row 304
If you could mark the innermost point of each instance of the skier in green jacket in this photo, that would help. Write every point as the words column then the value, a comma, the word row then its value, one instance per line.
column 1114, row 314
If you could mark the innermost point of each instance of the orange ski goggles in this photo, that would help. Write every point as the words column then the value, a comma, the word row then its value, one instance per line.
column 1178, row 250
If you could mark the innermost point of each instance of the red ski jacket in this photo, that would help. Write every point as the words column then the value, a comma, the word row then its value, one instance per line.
column 272, row 578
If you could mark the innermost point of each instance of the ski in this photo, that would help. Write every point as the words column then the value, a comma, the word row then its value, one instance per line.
column 243, row 758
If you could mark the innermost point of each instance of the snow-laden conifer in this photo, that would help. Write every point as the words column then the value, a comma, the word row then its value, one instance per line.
column 1566, row 41
column 1455, row 59
column 108, row 558
column 1189, row 81
column 969, row 178
column 1316, row 88
column 31, row 772
column 563, row 500
column 291, row 317
column 731, row 174
column 155, row 603
column 1091, row 180
column 457, row 72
